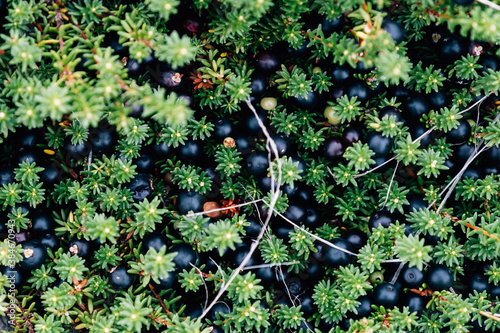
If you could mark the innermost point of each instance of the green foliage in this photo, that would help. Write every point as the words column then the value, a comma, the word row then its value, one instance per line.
column 388, row 126
column 427, row 79
column 192, row 178
column 431, row 163
column 394, row 197
column 273, row 250
column 392, row 68
column 301, row 242
column 48, row 324
column 407, row 151
column 69, row 266
column 285, row 123
column 132, row 312
column 102, row 228
column 371, row 257
column 106, row 257
column 448, row 119
column 346, row 108
column 411, row 250
column 293, row 83
column 190, row 280
column 27, row 173
column 249, row 315
column 221, row 235
column 289, row 317
column 228, row 160
column 311, row 139
column 244, row 288
column 59, row 298
column 430, row 222
column 290, row 171
column 164, row 7
column 158, row 264
column 147, row 215
column 238, row 88
column 359, row 156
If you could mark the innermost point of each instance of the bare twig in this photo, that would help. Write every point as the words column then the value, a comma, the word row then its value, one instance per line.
column 489, row 4
column 271, row 265
column 390, row 185
column 204, row 284
column 313, row 235
column 471, row 158
column 221, row 209
column 272, row 149
column 429, row 131
column 396, row 275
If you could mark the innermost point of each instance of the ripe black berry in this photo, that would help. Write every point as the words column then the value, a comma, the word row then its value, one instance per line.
column 333, row 148
column 166, row 282
column 189, row 201
column 154, row 240
column 334, row 257
column 120, row 279
column 463, row 2
column 144, row 163
column 307, row 103
column 103, row 141
column 340, row 73
column 283, row 144
column 259, row 85
column 439, row 277
column 161, row 149
column 394, row 29
column 364, row 308
column 50, row 241
column 415, row 107
column 51, row 173
column 382, row 218
column 414, row 302
column 351, row 135
column 381, row 145
column 80, row 247
column 15, row 275
column 412, row 277
column 358, row 89
column 217, row 310
column 479, row 283
column 6, row 174
column 185, row 256
column 266, row 61
column 41, row 222
column 356, row 238
column 386, row 295
column 190, row 152
column 459, row 134
column 34, row 255
column 296, row 214
column 239, row 255
column 450, row 48
column 140, row 186
column 222, row 128
column 257, row 163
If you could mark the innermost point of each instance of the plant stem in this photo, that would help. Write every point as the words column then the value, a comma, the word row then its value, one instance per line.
column 271, row 265
column 489, row 4
column 390, row 185
column 272, row 150
column 312, row 235
column 483, row 231
column 224, row 208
